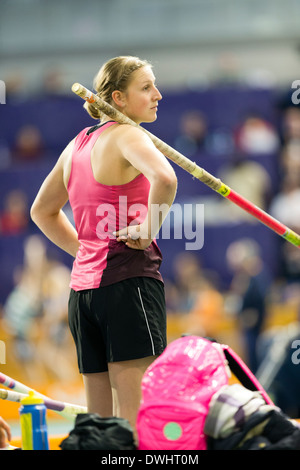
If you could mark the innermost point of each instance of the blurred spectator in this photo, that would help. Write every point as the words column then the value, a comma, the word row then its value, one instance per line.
column 52, row 81
column 278, row 372
column 207, row 313
column 195, row 137
column 182, row 292
column 250, row 284
column 17, row 87
column 290, row 158
column 250, row 180
column 291, row 124
column 192, row 133
column 227, row 70
column 220, row 142
column 14, row 219
column 291, row 263
column 54, row 344
column 256, row 136
column 14, row 83
column 29, row 145
column 285, row 206
column 24, row 303
column 35, row 315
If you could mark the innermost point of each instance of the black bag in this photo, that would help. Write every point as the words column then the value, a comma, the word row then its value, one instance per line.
column 91, row 432
column 278, row 434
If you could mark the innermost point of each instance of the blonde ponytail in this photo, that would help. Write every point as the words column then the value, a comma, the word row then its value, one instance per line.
column 92, row 110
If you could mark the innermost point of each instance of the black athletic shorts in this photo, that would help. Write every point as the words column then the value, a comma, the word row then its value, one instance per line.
column 119, row 322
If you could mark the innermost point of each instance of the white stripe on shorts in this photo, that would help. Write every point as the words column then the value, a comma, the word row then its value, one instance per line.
column 147, row 323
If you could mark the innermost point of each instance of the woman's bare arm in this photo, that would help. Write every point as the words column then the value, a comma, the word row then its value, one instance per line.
column 140, row 151
column 46, row 210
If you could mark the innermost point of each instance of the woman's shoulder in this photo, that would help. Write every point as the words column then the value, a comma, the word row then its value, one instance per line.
column 124, row 128
column 126, row 133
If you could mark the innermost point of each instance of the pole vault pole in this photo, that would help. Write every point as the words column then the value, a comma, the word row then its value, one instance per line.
column 67, row 410
column 192, row 168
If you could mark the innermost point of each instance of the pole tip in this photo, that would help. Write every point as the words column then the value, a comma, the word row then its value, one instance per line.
column 76, row 87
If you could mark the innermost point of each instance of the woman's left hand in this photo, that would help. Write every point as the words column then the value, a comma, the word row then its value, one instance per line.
column 134, row 236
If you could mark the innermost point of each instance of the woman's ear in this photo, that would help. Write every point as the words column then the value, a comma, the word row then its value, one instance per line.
column 118, row 98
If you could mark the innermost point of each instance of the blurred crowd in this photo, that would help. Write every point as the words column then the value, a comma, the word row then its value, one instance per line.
column 265, row 307
column 33, row 317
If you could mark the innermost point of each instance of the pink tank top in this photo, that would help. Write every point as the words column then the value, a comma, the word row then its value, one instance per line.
column 99, row 210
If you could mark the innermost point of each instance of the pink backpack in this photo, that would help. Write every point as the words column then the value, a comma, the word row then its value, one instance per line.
column 177, row 389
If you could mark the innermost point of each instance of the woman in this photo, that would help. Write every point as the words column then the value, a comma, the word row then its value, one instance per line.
column 117, row 305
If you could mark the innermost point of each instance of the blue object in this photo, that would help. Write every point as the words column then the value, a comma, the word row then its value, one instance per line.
column 33, row 423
